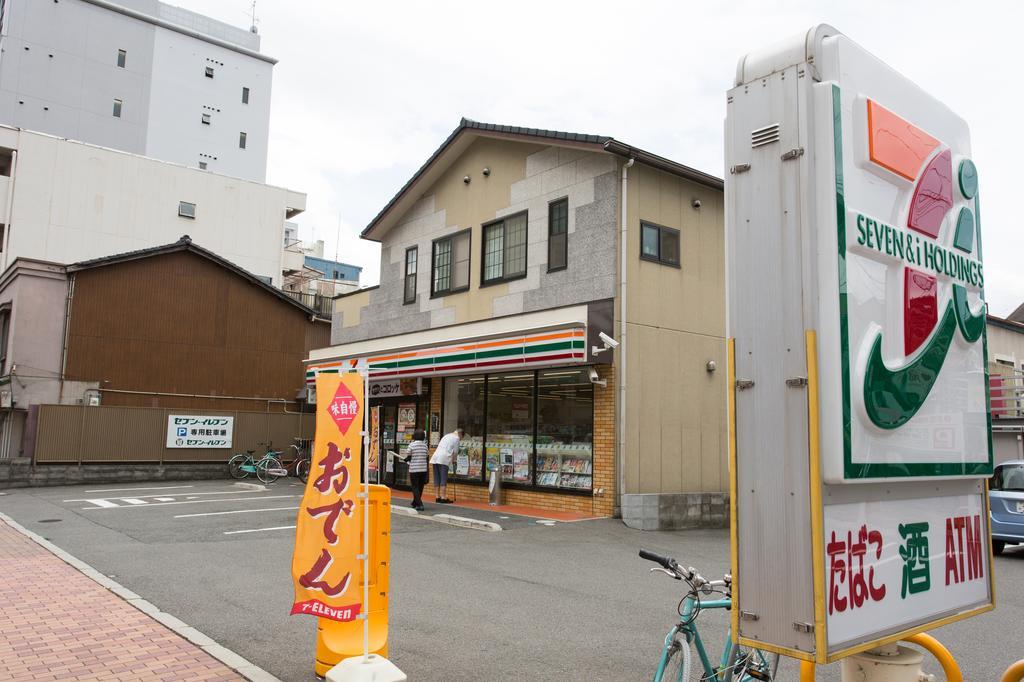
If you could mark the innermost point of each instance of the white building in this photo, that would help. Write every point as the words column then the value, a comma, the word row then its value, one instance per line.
column 64, row 201
column 140, row 76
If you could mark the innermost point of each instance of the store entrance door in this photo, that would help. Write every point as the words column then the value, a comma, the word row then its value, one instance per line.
column 399, row 417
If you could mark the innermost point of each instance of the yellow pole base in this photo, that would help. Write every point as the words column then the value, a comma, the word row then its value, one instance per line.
column 1015, row 673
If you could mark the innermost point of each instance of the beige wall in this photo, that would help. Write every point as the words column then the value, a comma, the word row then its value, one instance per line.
column 522, row 178
column 676, row 411
column 453, row 205
column 1007, row 345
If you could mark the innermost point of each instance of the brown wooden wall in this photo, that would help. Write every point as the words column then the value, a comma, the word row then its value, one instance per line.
column 83, row 434
column 179, row 323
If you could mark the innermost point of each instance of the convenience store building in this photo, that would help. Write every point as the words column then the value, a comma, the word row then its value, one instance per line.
column 502, row 263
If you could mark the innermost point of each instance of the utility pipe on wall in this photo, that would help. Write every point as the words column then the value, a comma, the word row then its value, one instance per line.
column 621, row 378
column 10, row 210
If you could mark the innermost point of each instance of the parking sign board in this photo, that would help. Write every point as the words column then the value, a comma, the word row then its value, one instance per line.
column 859, row 416
column 199, row 431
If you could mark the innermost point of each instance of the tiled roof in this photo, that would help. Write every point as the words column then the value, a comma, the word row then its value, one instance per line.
column 186, row 244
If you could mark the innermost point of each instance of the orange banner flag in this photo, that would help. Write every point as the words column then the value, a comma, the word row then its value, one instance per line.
column 325, row 569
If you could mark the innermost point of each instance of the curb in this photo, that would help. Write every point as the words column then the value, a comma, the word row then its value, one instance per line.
column 229, row 658
column 404, row 511
column 465, row 522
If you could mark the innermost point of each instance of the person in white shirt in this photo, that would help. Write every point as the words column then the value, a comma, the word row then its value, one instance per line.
column 443, row 456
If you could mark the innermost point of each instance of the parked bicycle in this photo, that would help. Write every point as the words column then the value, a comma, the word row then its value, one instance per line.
column 302, row 452
column 736, row 664
column 267, row 468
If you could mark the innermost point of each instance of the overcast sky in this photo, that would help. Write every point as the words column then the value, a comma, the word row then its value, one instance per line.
column 365, row 91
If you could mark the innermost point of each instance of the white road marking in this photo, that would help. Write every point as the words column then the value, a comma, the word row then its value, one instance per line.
column 121, row 490
column 165, row 499
column 256, row 530
column 233, row 511
column 162, row 504
column 131, row 500
column 219, row 492
column 102, row 503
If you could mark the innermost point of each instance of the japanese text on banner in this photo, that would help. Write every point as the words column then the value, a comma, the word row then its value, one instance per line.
column 325, row 569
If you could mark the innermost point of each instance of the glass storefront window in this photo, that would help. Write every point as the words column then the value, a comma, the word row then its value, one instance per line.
column 502, row 412
column 464, row 406
column 565, row 426
column 510, row 425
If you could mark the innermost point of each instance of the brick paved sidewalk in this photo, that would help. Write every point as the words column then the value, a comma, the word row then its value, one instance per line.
column 58, row 624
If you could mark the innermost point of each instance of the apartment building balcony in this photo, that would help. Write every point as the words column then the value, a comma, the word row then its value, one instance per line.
column 293, row 259
column 1006, row 400
column 323, row 305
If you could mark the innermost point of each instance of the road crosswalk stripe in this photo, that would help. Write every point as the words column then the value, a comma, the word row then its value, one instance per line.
column 99, row 503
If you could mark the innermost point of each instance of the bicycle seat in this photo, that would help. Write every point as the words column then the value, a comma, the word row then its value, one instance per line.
column 251, row 452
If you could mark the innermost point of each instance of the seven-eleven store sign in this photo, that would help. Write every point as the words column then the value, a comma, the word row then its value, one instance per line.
column 860, row 418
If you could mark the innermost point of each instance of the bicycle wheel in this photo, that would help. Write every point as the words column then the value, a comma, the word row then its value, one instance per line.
column 235, row 465
column 677, row 666
column 269, row 469
column 302, row 470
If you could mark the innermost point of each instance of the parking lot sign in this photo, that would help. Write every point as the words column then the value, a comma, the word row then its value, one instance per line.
column 199, row 431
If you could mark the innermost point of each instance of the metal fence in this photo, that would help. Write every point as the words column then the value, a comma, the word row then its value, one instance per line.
column 82, row 434
column 323, row 305
column 1006, row 395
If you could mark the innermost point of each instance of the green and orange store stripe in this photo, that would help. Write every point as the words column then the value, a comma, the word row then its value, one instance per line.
column 515, row 352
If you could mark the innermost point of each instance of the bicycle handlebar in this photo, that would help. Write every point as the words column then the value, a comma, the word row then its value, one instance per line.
column 667, row 562
column 691, row 574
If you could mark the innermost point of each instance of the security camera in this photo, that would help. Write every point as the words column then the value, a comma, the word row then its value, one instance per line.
column 594, row 378
column 695, row 203
column 609, row 342
column 466, row 179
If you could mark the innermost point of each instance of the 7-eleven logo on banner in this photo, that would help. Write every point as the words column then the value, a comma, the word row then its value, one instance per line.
column 325, row 568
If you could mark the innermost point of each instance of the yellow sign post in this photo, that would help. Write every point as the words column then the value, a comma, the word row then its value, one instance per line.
column 342, row 540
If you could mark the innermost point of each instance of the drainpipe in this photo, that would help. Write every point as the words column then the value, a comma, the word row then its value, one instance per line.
column 10, row 210
column 621, row 378
column 64, row 345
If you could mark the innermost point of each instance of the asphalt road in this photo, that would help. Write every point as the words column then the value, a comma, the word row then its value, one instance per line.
column 569, row 601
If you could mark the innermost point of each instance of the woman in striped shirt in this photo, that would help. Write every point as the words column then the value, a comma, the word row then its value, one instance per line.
column 417, row 453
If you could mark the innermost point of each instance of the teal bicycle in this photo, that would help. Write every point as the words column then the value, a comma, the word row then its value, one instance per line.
column 736, row 664
column 267, row 468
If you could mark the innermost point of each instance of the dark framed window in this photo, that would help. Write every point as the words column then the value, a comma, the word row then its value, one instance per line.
column 5, row 328
column 659, row 244
column 121, row 57
column 117, row 108
column 241, row 140
column 411, row 255
column 504, row 249
column 464, row 403
column 536, row 427
column 245, row 95
column 510, row 425
column 558, row 235
column 449, row 264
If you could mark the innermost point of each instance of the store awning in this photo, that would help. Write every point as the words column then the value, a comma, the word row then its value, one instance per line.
column 560, row 346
